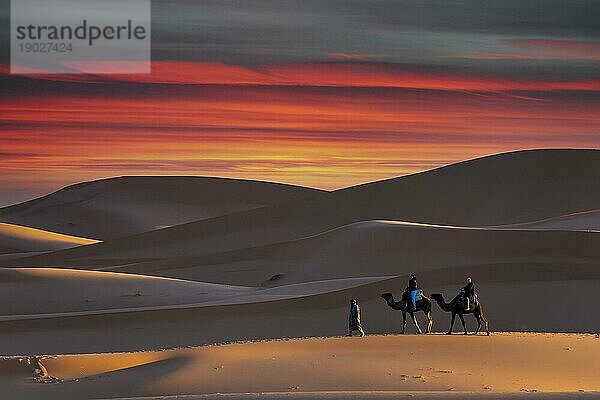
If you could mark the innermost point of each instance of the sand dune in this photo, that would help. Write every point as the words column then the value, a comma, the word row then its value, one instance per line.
column 376, row 248
column 392, row 366
column 22, row 239
column 123, row 206
column 47, row 290
column 498, row 190
column 32, row 292
column 532, row 299
column 582, row 221
column 528, row 280
column 370, row 248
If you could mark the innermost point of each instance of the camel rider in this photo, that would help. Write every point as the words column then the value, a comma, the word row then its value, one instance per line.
column 412, row 289
column 468, row 292
column 354, row 323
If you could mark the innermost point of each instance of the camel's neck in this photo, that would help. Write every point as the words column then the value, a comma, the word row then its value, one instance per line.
column 442, row 303
column 396, row 305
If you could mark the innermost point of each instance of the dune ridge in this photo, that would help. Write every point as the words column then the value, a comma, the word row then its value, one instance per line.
column 369, row 248
column 116, row 207
column 581, row 221
column 95, row 293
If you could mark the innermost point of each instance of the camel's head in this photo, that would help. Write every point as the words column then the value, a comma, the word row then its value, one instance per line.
column 387, row 296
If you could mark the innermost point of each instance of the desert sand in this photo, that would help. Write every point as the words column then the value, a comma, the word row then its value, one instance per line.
column 432, row 366
column 145, row 312
column 22, row 239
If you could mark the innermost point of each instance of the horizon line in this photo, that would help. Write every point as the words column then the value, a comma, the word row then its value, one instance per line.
column 274, row 182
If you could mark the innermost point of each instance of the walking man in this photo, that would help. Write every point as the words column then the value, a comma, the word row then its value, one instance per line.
column 354, row 319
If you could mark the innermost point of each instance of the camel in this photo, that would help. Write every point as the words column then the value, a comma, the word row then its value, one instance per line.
column 422, row 305
column 456, row 306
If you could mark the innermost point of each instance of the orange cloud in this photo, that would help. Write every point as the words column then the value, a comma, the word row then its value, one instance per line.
column 323, row 137
column 325, row 125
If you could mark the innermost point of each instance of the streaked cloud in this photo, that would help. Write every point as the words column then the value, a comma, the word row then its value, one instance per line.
column 335, row 74
column 542, row 49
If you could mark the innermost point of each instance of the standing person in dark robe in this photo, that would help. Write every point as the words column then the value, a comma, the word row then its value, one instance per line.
column 354, row 323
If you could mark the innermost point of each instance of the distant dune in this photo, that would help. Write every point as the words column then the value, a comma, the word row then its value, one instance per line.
column 504, row 189
column 378, row 367
column 21, row 239
column 123, row 206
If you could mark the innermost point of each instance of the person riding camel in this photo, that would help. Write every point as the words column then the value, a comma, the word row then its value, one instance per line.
column 413, row 291
column 354, row 323
column 468, row 293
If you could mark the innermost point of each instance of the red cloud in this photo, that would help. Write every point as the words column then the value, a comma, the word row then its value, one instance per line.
column 332, row 74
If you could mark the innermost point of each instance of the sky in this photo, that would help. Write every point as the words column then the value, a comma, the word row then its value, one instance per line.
column 322, row 93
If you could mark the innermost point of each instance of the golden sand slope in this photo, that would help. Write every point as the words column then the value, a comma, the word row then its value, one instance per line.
column 123, row 206
column 503, row 364
column 19, row 239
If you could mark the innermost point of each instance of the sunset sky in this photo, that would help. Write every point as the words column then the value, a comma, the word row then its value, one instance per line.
column 319, row 93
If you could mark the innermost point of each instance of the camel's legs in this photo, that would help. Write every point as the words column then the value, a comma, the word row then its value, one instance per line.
column 412, row 314
column 451, row 324
column 36, row 365
column 487, row 328
column 462, row 319
column 403, row 322
column 478, row 324
column 485, row 321
column 477, row 315
column 429, row 321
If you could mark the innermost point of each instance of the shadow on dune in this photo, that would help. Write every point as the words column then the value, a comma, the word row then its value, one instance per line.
column 149, row 371
column 132, row 381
